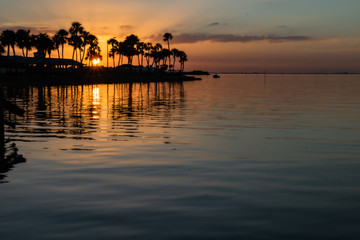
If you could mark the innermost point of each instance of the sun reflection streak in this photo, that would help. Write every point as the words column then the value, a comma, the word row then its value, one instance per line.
column 95, row 103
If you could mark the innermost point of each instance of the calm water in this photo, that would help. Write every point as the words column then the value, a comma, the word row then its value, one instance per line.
column 240, row 157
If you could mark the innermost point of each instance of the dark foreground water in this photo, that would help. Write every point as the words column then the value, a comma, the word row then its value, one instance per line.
column 240, row 157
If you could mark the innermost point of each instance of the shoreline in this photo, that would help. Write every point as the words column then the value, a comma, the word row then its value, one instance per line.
column 90, row 76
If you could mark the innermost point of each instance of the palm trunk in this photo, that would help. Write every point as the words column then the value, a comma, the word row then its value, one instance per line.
column 173, row 67
column 119, row 60
column 82, row 59
column 13, row 48
column 72, row 58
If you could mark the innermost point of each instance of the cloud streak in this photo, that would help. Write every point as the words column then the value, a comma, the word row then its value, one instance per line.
column 33, row 30
column 224, row 38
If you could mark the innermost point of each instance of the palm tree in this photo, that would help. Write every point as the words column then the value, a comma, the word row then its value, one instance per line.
column 75, row 40
column 140, row 47
column 165, row 54
column 156, row 54
column 29, row 43
column 44, row 44
column 2, row 49
column 167, row 37
column 93, row 51
column 182, row 60
column 22, row 38
column 57, row 43
column 112, row 54
column 85, row 40
column 8, row 38
column 114, row 48
column 121, row 50
column 147, row 49
column 130, row 49
column 62, row 39
column 175, row 54
column 50, row 46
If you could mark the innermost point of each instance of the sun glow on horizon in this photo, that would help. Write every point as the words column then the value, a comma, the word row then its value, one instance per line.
column 96, row 62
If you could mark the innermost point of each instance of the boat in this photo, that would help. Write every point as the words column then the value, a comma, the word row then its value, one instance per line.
column 216, row 76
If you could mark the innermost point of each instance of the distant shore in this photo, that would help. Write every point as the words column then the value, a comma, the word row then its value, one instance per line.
column 91, row 76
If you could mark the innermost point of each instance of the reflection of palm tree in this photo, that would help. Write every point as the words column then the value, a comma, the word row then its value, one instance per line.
column 167, row 37
column 8, row 38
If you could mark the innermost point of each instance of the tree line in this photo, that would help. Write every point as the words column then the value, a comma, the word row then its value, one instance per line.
column 85, row 46
column 148, row 54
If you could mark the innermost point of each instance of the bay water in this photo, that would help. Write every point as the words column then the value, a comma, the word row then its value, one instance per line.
column 246, row 156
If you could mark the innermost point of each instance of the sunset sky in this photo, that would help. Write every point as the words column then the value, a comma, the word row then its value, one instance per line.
column 217, row 35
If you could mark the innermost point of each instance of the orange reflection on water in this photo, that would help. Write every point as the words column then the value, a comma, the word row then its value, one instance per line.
column 95, row 103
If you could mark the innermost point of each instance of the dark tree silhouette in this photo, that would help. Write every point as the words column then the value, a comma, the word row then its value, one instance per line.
column 130, row 51
column 8, row 38
column 155, row 55
column 22, row 40
column 93, row 51
column 167, row 37
column 62, row 39
column 86, row 38
column 44, row 44
column 57, row 43
column 182, row 60
column 175, row 53
column 2, row 49
column 114, row 48
column 75, row 40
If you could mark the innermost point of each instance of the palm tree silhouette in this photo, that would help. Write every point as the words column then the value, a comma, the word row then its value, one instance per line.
column 175, row 53
column 57, row 43
column 93, row 51
column 156, row 54
column 22, row 39
column 147, row 48
column 8, row 38
column 75, row 40
column 2, row 49
column 86, row 38
column 130, row 51
column 167, row 37
column 165, row 55
column 114, row 48
column 44, row 44
column 62, row 39
column 140, row 47
column 182, row 60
